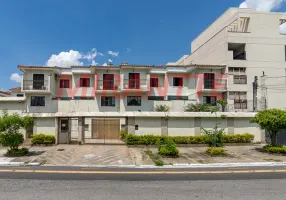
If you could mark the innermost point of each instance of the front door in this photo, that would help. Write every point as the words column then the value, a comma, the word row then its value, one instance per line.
column 64, row 131
column 38, row 81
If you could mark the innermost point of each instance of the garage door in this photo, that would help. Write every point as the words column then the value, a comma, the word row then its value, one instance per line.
column 103, row 128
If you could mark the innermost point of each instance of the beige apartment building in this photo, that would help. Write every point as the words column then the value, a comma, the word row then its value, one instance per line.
column 249, row 44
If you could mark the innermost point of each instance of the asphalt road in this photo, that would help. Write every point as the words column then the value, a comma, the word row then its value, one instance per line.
column 127, row 183
column 125, row 190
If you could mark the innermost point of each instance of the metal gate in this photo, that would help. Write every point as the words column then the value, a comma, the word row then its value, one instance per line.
column 281, row 138
column 68, row 130
column 105, row 128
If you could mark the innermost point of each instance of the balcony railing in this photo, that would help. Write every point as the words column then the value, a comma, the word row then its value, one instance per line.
column 35, row 85
column 107, row 85
column 218, row 84
column 134, row 83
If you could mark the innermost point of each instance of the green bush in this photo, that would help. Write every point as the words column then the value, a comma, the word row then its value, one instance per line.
column 169, row 148
column 275, row 149
column 214, row 151
column 215, row 137
column 123, row 134
column 17, row 152
column 202, row 139
column 243, row 138
column 43, row 139
column 12, row 140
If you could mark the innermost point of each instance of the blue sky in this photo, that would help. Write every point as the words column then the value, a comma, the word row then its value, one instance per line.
column 134, row 31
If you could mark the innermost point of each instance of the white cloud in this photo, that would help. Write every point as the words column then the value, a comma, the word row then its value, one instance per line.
column 73, row 58
column 90, row 55
column 100, row 54
column 104, row 64
column 109, row 60
column 262, row 5
column 65, row 59
column 113, row 53
column 16, row 77
column 93, row 63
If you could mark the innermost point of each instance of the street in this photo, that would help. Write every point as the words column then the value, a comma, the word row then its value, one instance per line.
column 123, row 183
column 125, row 190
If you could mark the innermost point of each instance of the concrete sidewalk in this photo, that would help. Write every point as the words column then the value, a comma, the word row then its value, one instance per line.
column 121, row 155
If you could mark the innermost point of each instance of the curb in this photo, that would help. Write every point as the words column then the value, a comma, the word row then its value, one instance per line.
column 19, row 164
column 181, row 165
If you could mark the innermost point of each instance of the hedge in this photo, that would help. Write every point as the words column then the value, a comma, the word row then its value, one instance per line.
column 203, row 139
column 275, row 149
column 43, row 139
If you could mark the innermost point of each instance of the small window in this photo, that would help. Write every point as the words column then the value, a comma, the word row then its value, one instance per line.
column 20, row 95
column 37, row 101
column 240, row 79
column 160, row 98
column 86, row 127
column 136, row 127
column 108, row 101
column 211, row 100
column 84, row 82
column 154, row 82
column 134, row 101
column 240, row 104
column 64, row 83
column 178, row 81
column 177, row 98
column 64, row 125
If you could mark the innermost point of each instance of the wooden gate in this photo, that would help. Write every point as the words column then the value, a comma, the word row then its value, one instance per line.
column 105, row 128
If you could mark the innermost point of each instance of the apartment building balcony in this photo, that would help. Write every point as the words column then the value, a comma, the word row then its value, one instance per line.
column 135, row 84
column 213, row 85
column 38, row 86
column 107, row 86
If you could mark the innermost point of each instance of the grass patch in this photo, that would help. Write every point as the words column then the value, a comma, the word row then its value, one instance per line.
column 155, row 158
column 214, row 151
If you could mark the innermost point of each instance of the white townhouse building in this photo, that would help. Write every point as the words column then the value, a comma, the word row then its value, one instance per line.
column 249, row 43
column 91, row 104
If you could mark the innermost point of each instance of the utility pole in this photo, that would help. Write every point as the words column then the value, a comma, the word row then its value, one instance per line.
column 255, row 86
column 263, row 91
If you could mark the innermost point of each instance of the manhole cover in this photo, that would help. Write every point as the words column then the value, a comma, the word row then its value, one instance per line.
column 60, row 149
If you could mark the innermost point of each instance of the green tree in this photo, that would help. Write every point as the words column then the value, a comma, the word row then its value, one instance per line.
column 162, row 108
column 272, row 120
column 10, row 126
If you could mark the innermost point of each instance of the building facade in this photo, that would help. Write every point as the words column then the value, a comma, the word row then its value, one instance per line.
column 250, row 44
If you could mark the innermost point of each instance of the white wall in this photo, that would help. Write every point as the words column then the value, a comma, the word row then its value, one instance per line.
column 12, row 107
column 148, row 126
column 242, row 126
column 44, row 125
column 181, row 127
column 51, row 106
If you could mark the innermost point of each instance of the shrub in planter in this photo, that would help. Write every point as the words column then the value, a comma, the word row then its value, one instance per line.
column 123, row 134
column 17, row 152
column 169, row 148
column 43, row 139
column 275, row 149
column 214, row 151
